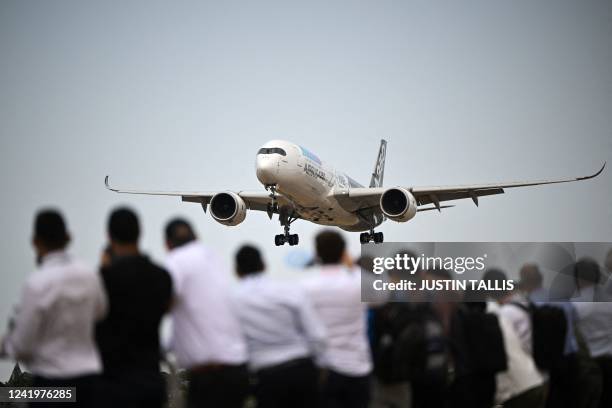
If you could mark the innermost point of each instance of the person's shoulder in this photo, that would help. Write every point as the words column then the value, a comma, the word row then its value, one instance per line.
column 514, row 310
column 191, row 253
column 83, row 269
column 310, row 281
column 154, row 268
column 288, row 289
column 37, row 282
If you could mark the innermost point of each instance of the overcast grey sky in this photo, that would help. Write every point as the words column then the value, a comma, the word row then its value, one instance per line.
column 170, row 95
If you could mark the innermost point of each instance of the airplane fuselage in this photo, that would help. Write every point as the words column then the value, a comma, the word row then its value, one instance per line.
column 310, row 186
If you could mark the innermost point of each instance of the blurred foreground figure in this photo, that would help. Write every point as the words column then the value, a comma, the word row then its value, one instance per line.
column 594, row 309
column 574, row 378
column 206, row 337
column 397, row 329
column 335, row 292
column 53, row 330
column 283, row 335
column 139, row 294
column 521, row 385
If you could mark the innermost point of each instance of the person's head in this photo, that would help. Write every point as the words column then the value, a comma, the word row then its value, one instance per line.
column 531, row 278
column 178, row 233
column 50, row 232
column 496, row 278
column 123, row 230
column 330, row 247
column 586, row 273
column 248, row 261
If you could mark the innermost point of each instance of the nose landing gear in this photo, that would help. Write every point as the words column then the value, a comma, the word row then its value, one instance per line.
column 366, row 237
column 273, row 205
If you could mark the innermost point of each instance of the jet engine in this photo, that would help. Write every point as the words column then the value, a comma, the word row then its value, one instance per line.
column 398, row 204
column 228, row 208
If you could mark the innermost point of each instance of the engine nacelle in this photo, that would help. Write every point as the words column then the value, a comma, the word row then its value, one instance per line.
column 398, row 204
column 228, row 208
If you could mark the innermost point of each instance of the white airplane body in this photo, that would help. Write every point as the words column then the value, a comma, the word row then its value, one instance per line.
column 301, row 186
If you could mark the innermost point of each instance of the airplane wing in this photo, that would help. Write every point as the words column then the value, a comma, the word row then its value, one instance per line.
column 255, row 200
column 362, row 198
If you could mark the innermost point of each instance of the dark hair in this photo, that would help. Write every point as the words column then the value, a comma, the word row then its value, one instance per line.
column 123, row 226
column 179, row 233
column 248, row 261
column 587, row 270
column 50, row 229
column 329, row 246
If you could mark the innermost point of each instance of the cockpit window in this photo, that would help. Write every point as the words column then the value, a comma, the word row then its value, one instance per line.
column 272, row 150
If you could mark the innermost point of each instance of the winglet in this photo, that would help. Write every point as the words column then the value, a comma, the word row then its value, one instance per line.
column 593, row 175
column 106, row 183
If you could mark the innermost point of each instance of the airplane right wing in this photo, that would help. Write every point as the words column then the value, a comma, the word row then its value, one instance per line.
column 364, row 198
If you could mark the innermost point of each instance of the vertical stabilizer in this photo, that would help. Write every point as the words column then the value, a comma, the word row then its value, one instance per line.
column 379, row 168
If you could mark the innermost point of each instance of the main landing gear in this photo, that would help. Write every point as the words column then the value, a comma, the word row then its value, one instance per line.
column 292, row 239
column 366, row 237
column 286, row 218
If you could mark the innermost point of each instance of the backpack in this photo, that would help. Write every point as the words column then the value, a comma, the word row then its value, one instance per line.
column 399, row 348
column 484, row 342
column 548, row 333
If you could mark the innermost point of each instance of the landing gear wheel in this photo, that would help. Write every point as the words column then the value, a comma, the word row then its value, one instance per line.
column 279, row 240
column 294, row 239
column 378, row 237
column 366, row 237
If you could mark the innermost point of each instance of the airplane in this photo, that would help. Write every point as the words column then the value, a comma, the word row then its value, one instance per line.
column 300, row 186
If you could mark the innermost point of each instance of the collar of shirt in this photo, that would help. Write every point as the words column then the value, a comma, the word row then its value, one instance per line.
column 254, row 276
column 55, row 258
column 332, row 269
column 192, row 244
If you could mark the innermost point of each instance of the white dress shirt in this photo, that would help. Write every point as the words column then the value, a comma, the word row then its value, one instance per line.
column 522, row 373
column 594, row 322
column 335, row 293
column 520, row 319
column 204, row 328
column 53, row 332
column 278, row 321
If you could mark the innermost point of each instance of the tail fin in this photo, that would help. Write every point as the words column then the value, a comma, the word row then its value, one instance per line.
column 379, row 168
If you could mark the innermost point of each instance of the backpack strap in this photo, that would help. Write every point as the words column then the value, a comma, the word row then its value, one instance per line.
column 525, row 308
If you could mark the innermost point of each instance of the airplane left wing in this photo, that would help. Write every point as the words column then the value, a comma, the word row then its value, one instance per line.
column 362, row 198
column 255, row 200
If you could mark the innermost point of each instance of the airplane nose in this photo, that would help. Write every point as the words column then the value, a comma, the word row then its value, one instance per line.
column 266, row 170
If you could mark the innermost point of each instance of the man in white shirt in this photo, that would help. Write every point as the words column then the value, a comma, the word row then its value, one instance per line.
column 335, row 292
column 522, row 384
column 53, row 331
column 282, row 332
column 206, row 335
